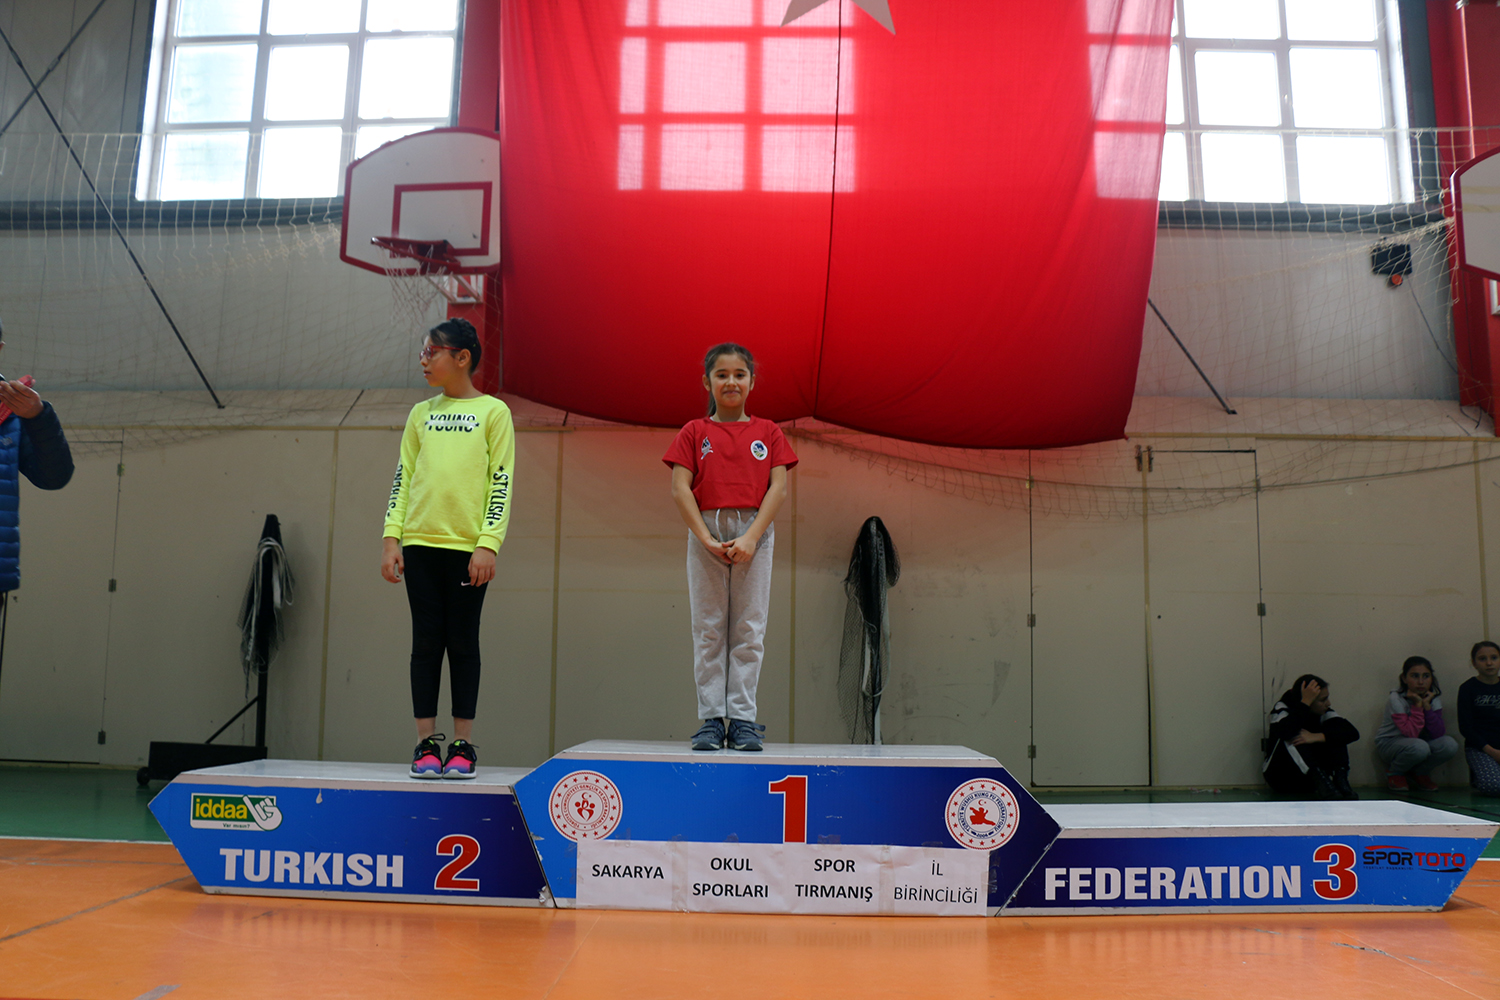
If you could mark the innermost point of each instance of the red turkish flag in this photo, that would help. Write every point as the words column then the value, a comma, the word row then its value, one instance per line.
column 943, row 234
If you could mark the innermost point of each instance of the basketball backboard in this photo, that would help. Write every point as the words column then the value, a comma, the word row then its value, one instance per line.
column 430, row 186
column 1476, row 203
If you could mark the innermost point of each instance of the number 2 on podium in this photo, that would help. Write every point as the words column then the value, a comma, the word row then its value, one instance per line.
column 793, row 790
column 465, row 851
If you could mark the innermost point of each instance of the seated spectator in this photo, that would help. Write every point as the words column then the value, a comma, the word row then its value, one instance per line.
column 1309, row 755
column 1479, row 718
column 1412, row 738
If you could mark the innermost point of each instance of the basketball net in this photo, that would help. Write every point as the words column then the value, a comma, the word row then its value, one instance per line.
column 424, row 281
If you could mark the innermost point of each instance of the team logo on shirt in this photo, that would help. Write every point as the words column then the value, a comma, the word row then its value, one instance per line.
column 759, row 450
column 983, row 814
column 705, row 449
column 585, row 805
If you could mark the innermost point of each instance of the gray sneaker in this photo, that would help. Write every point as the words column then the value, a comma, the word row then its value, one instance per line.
column 710, row 736
column 744, row 735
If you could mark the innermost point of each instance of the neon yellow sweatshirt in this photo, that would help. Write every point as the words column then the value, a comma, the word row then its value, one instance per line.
column 452, row 487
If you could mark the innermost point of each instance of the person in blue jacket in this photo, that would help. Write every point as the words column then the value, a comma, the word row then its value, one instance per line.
column 32, row 444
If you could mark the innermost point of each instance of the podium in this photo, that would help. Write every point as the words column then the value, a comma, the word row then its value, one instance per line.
column 352, row 831
column 942, row 831
column 1214, row 857
column 849, row 830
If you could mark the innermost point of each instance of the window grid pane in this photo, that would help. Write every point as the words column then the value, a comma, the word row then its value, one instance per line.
column 1343, row 169
column 211, row 83
column 1336, row 88
column 388, row 89
column 261, row 72
column 1243, row 166
column 780, row 89
column 199, row 165
column 306, row 81
column 218, row 17
column 1237, row 19
column 1349, row 101
column 1331, row 20
column 1238, row 88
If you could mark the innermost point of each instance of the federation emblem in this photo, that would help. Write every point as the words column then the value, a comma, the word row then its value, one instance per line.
column 759, row 450
column 585, row 805
column 983, row 814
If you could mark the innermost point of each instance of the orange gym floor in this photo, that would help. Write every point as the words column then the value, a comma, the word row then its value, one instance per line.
column 121, row 921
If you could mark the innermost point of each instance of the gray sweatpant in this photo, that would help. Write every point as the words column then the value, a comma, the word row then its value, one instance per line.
column 1414, row 755
column 728, row 604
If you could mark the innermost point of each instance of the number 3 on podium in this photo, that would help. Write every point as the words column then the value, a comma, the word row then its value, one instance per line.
column 793, row 790
column 1343, row 880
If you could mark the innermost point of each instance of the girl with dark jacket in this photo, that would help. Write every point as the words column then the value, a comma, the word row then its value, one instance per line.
column 1309, row 755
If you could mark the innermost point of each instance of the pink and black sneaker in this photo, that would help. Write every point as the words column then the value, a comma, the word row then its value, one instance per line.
column 461, row 762
column 427, row 760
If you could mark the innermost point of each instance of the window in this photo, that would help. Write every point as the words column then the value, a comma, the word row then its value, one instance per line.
column 273, row 98
column 716, row 96
column 1280, row 101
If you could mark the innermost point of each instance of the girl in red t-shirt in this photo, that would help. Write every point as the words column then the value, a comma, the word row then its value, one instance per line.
column 729, row 479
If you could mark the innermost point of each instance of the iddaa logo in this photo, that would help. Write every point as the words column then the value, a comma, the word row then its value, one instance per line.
column 234, row 812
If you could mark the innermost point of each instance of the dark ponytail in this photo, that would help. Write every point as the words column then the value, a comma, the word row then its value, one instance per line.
column 717, row 351
column 459, row 335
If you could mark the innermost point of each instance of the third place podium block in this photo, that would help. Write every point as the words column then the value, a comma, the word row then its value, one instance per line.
column 918, row 830
column 1211, row 857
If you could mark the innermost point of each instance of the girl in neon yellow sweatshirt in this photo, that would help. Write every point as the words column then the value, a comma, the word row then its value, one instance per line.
column 449, row 508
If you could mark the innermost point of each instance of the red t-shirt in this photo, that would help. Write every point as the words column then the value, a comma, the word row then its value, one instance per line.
column 731, row 462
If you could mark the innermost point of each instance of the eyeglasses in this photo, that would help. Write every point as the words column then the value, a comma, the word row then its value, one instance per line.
column 427, row 352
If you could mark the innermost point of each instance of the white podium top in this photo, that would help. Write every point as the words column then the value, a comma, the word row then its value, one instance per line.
column 1237, row 819
column 814, row 754
column 342, row 774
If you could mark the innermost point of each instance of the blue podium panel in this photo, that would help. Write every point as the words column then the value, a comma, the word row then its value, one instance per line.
column 1263, row 856
column 793, row 829
column 352, row 831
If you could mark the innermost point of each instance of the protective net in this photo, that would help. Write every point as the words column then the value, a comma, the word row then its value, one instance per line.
column 160, row 321
column 1333, row 372
column 168, row 320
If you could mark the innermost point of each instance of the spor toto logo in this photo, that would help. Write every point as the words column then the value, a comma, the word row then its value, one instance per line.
column 983, row 814
column 585, row 805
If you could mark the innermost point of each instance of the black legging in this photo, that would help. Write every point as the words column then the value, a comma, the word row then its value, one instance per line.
column 444, row 617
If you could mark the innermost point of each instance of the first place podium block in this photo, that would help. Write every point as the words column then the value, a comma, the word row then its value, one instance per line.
column 860, row 830
column 352, row 831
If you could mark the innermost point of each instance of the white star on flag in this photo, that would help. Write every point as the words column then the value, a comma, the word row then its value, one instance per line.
column 880, row 10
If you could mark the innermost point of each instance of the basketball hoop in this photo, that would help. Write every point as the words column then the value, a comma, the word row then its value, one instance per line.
column 430, row 255
column 424, row 210
column 437, row 263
